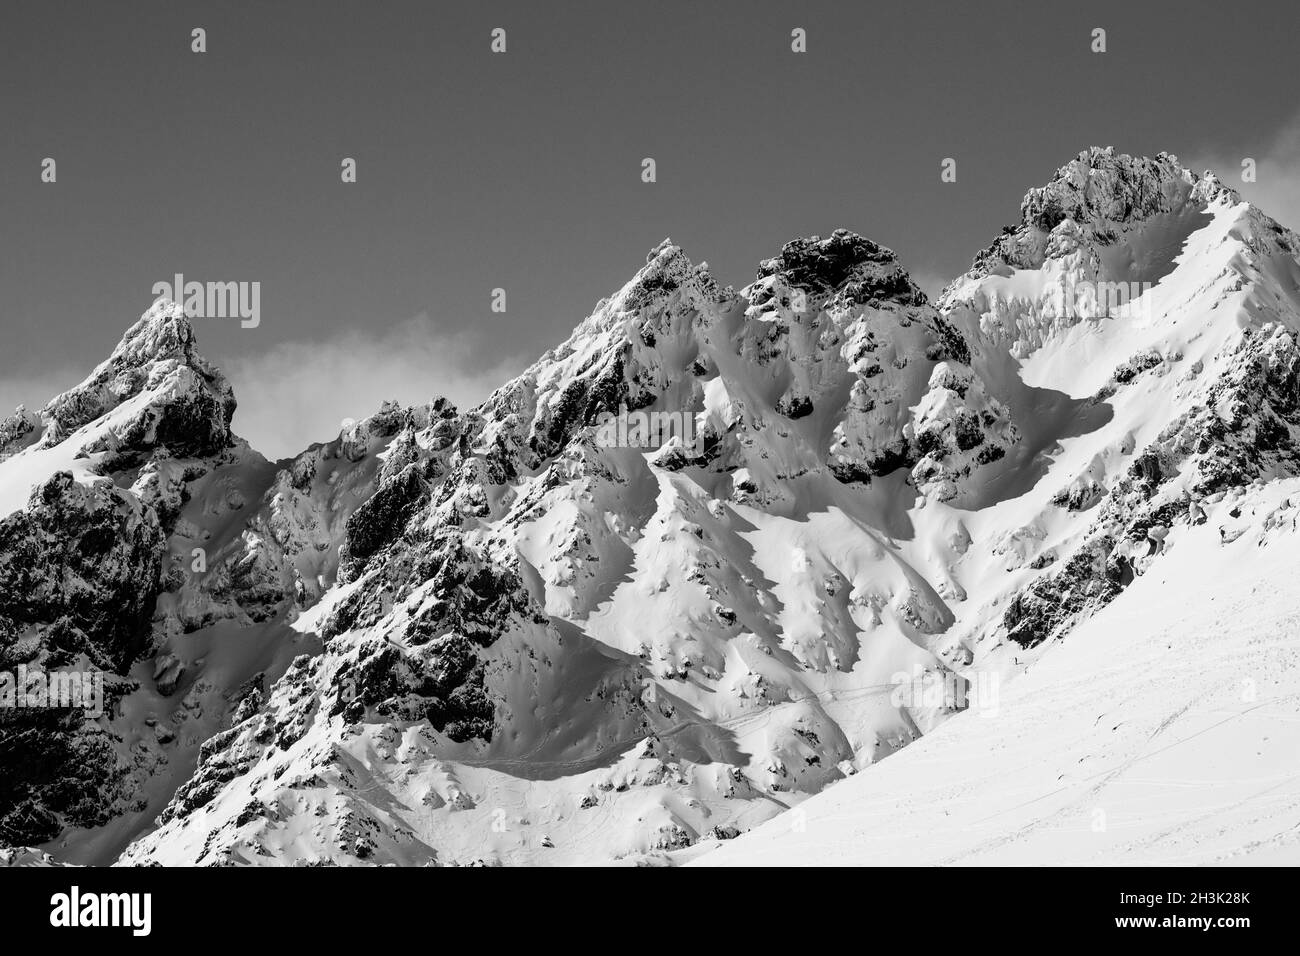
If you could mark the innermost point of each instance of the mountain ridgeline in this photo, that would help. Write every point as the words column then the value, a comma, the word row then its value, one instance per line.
column 493, row 636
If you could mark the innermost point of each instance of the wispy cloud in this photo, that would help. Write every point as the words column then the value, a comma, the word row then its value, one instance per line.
column 297, row 393
column 931, row 281
column 35, row 388
column 1276, row 189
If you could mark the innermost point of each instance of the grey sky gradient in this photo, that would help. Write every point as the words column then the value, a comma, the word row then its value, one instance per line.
column 522, row 170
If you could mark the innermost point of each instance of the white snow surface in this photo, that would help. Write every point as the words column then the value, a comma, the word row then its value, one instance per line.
column 1163, row 731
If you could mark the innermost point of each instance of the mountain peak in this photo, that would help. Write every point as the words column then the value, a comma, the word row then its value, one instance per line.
column 162, row 332
column 1093, row 202
column 667, row 269
column 158, row 352
column 1102, row 187
column 844, row 262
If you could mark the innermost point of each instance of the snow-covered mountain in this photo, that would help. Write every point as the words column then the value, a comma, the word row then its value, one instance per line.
column 544, row 630
column 1162, row 729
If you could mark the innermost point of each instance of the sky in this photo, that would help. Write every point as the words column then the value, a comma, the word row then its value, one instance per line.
column 522, row 170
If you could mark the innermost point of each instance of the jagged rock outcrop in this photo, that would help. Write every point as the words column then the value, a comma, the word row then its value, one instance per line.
column 79, row 574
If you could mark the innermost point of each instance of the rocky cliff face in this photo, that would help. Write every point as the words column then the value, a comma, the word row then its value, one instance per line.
column 82, row 560
column 668, row 581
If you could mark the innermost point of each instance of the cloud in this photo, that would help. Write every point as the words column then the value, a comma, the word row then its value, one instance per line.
column 1277, row 187
column 930, row 281
column 35, row 388
column 297, row 393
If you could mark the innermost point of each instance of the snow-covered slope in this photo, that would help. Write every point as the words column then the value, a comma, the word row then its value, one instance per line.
column 1164, row 731
column 1177, row 425
column 544, row 631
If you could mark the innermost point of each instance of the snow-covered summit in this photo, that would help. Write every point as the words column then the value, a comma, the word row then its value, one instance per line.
column 1096, row 200
column 1099, row 241
column 156, row 354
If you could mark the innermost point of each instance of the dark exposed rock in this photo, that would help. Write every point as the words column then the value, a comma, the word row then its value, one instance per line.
column 88, row 558
column 795, row 407
column 1085, row 583
column 57, row 769
column 17, row 431
column 381, row 518
column 821, row 266
column 1136, row 365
